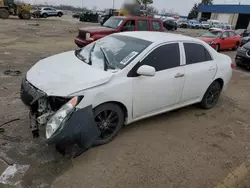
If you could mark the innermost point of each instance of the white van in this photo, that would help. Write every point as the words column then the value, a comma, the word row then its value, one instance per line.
column 213, row 23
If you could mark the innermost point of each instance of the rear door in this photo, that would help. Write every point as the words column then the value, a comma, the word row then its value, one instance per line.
column 156, row 25
column 143, row 25
column 234, row 38
column 200, row 70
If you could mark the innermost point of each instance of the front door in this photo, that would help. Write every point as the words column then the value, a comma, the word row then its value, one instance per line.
column 200, row 70
column 153, row 94
column 225, row 40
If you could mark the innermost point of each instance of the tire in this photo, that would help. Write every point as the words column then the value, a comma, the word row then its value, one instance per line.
column 4, row 14
column 236, row 46
column 211, row 96
column 20, row 16
column 116, row 120
column 217, row 47
column 45, row 15
column 59, row 14
column 25, row 15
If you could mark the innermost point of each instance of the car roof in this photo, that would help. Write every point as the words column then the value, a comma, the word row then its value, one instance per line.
column 136, row 17
column 157, row 36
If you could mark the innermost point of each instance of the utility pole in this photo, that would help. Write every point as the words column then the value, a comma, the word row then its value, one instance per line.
column 113, row 4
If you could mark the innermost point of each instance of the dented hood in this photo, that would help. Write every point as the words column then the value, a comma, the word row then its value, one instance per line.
column 64, row 74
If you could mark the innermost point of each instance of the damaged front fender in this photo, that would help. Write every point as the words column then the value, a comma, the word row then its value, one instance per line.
column 80, row 128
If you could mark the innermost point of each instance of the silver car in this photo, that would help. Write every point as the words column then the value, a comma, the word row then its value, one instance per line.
column 49, row 11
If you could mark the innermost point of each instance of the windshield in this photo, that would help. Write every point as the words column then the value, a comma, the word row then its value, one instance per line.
column 204, row 22
column 112, row 52
column 113, row 23
column 212, row 34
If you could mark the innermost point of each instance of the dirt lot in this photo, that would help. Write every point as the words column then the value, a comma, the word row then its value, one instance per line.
column 186, row 148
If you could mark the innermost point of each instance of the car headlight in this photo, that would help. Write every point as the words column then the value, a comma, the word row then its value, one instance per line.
column 57, row 119
column 87, row 35
column 243, row 49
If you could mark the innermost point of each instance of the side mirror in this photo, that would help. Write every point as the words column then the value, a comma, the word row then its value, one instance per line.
column 146, row 70
column 223, row 38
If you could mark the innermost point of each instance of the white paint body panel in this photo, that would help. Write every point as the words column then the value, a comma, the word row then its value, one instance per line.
column 64, row 74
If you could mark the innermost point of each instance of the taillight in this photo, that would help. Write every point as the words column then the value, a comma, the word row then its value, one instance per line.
column 232, row 65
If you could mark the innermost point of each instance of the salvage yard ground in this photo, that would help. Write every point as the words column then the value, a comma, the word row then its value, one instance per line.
column 189, row 147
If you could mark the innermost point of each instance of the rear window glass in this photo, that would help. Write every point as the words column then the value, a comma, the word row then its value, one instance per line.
column 143, row 25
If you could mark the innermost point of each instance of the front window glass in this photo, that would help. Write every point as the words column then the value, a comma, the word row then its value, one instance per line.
column 112, row 52
column 113, row 23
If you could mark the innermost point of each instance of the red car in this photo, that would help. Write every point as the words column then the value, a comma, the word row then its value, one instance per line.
column 222, row 39
column 117, row 24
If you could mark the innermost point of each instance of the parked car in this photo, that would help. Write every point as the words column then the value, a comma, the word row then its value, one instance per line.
column 222, row 39
column 118, row 24
column 86, row 96
column 107, row 14
column 76, row 15
column 221, row 27
column 182, row 23
column 245, row 40
column 170, row 24
column 243, row 32
column 204, row 25
column 194, row 24
column 212, row 23
column 49, row 12
column 243, row 56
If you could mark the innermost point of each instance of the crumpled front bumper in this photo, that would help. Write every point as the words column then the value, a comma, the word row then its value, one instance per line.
column 79, row 128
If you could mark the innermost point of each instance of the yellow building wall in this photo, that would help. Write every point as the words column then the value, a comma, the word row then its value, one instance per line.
column 233, row 19
column 199, row 15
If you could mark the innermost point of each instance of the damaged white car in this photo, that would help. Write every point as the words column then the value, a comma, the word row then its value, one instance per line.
column 86, row 96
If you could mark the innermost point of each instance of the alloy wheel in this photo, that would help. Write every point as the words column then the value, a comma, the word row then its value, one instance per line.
column 213, row 95
column 107, row 121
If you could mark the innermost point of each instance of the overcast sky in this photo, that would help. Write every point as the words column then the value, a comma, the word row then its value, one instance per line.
column 180, row 6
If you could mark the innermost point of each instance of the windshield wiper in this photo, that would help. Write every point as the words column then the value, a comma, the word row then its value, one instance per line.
column 106, row 60
column 90, row 54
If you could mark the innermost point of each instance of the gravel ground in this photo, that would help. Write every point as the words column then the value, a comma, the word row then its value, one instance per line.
column 189, row 147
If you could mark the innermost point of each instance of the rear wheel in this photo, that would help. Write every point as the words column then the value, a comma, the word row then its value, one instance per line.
column 211, row 96
column 25, row 15
column 109, row 118
column 4, row 14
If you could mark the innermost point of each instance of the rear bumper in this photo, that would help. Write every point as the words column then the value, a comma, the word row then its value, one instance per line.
column 81, row 43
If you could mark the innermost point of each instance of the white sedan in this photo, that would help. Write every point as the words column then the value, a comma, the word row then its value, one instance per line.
column 120, row 79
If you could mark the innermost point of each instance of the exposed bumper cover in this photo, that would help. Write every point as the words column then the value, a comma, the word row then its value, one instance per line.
column 80, row 128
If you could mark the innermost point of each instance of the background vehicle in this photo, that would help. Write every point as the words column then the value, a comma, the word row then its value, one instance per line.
column 138, row 64
column 243, row 32
column 243, row 56
column 194, row 24
column 9, row 7
column 245, row 39
column 107, row 14
column 221, row 26
column 49, row 12
column 212, row 23
column 181, row 23
column 170, row 24
column 118, row 24
column 204, row 25
column 76, row 15
column 221, row 40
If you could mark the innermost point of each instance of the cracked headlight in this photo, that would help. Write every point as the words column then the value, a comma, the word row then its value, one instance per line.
column 57, row 119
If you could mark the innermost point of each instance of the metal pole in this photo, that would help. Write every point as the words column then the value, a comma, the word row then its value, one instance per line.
column 113, row 4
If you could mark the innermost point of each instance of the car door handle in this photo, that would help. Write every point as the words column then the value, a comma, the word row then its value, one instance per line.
column 179, row 75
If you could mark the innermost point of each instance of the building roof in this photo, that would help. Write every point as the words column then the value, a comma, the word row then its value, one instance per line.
column 241, row 9
column 157, row 36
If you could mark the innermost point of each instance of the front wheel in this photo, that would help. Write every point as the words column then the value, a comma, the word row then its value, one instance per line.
column 217, row 47
column 211, row 96
column 59, row 14
column 45, row 15
column 109, row 118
